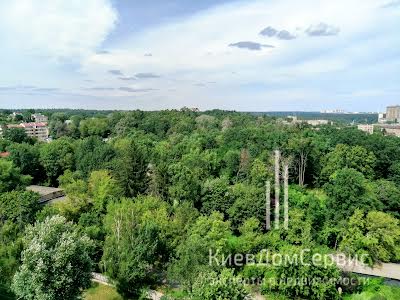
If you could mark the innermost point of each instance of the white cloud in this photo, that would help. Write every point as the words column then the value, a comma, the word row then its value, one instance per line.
column 61, row 29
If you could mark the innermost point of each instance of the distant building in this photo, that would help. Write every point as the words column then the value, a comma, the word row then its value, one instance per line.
column 37, row 130
column 39, row 118
column 381, row 118
column 333, row 111
column 317, row 122
column 368, row 128
column 393, row 113
column 390, row 129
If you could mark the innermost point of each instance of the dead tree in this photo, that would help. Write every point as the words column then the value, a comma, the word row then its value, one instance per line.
column 277, row 187
column 286, row 196
column 267, row 205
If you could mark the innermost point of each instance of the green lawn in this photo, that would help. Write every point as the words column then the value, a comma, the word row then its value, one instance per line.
column 385, row 293
column 101, row 292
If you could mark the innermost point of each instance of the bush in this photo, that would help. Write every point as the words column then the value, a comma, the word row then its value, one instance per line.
column 211, row 286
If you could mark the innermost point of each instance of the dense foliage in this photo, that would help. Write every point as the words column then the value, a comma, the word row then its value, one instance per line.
column 157, row 191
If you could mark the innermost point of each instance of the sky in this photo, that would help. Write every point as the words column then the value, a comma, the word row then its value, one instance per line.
column 271, row 55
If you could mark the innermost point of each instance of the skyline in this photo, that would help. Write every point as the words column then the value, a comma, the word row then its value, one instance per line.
column 234, row 55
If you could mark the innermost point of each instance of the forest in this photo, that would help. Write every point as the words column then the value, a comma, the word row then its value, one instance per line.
column 149, row 195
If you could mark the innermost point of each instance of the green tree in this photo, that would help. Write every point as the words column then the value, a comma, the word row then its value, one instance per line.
column 135, row 243
column 55, row 263
column 94, row 127
column 215, row 196
column 307, row 278
column 347, row 190
column 20, row 207
column 11, row 177
column 92, row 154
column 388, row 194
column 103, row 189
column 57, row 157
column 17, row 135
column 26, row 158
column 300, row 148
column 344, row 156
column 192, row 255
column 375, row 234
column 57, row 126
column 248, row 201
column 130, row 166
column 213, row 286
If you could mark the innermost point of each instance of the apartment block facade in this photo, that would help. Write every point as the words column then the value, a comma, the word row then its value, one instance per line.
column 38, row 130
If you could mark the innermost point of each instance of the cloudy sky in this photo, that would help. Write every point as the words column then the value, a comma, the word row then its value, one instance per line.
column 242, row 55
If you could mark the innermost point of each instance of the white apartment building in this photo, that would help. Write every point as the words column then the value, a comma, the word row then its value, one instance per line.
column 39, row 118
column 37, row 130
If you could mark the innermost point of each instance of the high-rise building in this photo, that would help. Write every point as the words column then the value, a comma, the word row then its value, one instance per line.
column 393, row 113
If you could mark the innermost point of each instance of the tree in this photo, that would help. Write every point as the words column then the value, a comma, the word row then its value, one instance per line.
column 388, row 194
column 26, row 158
column 17, row 135
column 209, row 233
column 248, row 201
column 213, row 286
column 135, row 243
column 94, row 127
column 103, row 189
column 93, row 154
column 57, row 125
column 55, row 263
column 19, row 207
column 11, row 177
column 130, row 166
column 215, row 196
column 347, row 190
column 57, row 157
column 394, row 172
column 307, row 279
column 300, row 147
column 344, row 156
column 375, row 234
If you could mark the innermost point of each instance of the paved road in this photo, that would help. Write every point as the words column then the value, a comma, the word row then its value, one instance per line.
column 385, row 270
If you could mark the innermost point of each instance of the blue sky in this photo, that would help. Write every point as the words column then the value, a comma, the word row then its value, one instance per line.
column 242, row 55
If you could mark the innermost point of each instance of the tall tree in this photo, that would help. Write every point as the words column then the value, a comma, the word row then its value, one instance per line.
column 55, row 263
column 130, row 166
column 11, row 177
column 57, row 157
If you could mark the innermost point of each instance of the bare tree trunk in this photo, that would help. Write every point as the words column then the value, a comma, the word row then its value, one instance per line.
column 277, row 187
column 302, row 168
column 268, row 205
column 286, row 196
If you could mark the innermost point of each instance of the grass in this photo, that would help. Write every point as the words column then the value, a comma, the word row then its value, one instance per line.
column 101, row 292
column 384, row 293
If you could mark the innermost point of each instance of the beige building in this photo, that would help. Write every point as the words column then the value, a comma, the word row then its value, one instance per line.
column 39, row 118
column 317, row 122
column 393, row 113
column 368, row 128
column 37, row 130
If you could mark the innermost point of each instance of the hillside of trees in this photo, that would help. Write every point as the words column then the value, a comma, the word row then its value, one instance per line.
column 151, row 194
